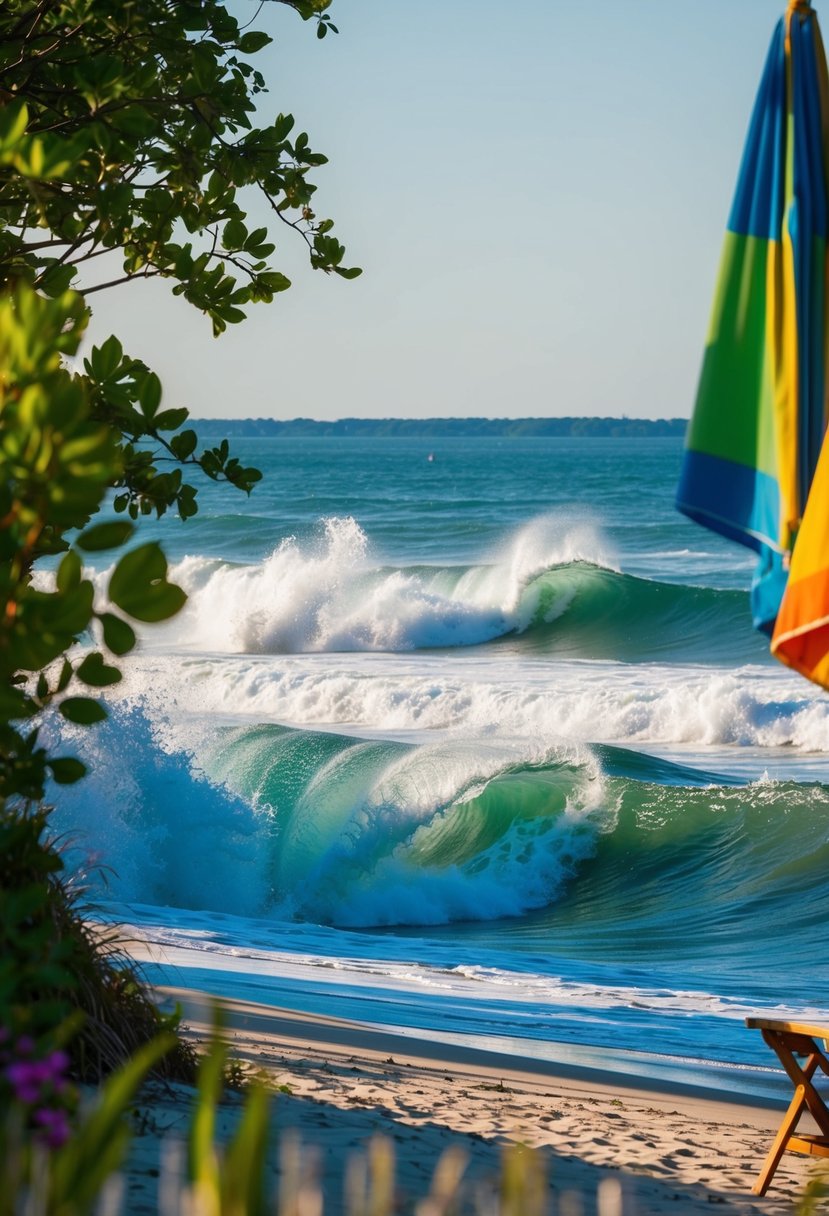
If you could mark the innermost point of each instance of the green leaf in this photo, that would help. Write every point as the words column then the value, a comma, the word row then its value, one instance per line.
column 82, row 710
column 139, row 585
column 149, row 396
column 204, row 1166
column 229, row 314
column 104, row 536
column 66, row 770
column 253, row 41
column 14, row 118
column 184, row 445
column 118, row 635
column 255, row 239
column 187, row 506
column 105, row 360
column 283, row 125
column 235, row 235
column 56, row 279
column 170, row 420
column 65, row 676
column 134, row 120
column 274, row 280
column 243, row 1168
column 94, row 671
column 69, row 573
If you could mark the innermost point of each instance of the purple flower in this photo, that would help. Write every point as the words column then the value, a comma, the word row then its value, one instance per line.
column 25, row 1080
column 29, row 1076
column 37, row 1082
column 58, row 1061
column 54, row 1126
column 20, row 1071
column 39, row 1072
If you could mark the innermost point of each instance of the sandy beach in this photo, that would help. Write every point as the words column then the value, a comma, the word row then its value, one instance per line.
column 606, row 1148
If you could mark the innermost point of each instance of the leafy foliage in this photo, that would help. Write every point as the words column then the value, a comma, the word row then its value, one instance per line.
column 128, row 131
column 58, row 461
column 69, row 1180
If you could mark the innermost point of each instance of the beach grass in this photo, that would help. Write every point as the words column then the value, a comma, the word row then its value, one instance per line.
column 64, row 982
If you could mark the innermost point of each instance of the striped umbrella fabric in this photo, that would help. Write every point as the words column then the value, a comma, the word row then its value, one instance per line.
column 754, row 442
column 801, row 633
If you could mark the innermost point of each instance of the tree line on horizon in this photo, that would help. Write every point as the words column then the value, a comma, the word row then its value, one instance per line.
column 428, row 428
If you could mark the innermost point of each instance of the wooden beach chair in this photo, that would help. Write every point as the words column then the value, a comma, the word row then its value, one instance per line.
column 792, row 1041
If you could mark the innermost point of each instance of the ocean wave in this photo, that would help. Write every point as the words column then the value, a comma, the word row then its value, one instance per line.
column 698, row 706
column 554, row 590
column 322, row 826
column 263, row 820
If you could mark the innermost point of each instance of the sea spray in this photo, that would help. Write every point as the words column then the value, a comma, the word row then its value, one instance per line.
column 372, row 832
column 146, row 824
column 379, row 834
column 689, row 706
column 334, row 599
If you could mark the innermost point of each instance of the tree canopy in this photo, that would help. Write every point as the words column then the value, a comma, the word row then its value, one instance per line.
column 129, row 127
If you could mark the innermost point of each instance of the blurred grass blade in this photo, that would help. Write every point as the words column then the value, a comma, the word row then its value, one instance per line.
column 203, row 1157
column 97, row 1149
column 243, row 1171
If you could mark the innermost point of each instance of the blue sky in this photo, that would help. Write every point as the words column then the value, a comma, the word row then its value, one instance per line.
column 536, row 193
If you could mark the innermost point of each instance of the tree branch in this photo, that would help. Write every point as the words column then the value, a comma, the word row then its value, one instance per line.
column 127, row 278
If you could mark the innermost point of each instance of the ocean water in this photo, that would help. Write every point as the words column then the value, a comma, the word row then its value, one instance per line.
column 480, row 747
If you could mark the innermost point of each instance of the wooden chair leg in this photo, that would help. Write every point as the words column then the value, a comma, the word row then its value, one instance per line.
column 777, row 1149
column 816, row 1105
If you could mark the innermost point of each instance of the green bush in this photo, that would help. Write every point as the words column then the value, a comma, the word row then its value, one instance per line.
column 62, row 982
column 58, row 464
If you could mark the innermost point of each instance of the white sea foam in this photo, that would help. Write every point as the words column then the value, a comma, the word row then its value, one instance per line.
column 334, row 595
column 229, row 944
column 582, row 702
column 524, row 868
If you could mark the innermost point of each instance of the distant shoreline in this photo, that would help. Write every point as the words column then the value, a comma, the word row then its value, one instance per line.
column 442, row 428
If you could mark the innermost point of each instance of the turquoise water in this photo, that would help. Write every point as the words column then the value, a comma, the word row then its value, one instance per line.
column 481, row 745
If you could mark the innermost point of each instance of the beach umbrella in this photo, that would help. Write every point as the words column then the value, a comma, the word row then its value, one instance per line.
column 752, row 468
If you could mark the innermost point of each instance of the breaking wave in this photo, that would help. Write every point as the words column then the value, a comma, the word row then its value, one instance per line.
column 269, row 821
column 554, row 591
